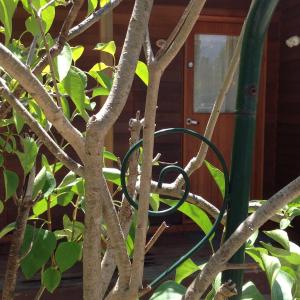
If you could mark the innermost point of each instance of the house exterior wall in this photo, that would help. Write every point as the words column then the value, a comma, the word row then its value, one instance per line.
column 170, row 102
column 288, row 123
column 282, row 136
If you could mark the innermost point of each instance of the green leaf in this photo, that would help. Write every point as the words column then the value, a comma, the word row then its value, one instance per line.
column 64, row 199
column 45, row 163
column 77, row 51
column 1, row 160
column 195, row 213
column 97, row 72
column 215, row 287
column 39, row 182
column 40, row 243
column 271, row 267
column 129, row 245
column 19, row 121
column 250, row 292
column 75, row 84
column 284, row 223
column 42, row 206
column 78, row 187
column 297, row 283
column 47, row 16
column 51, row 279
column 38, row 113
column 92, row 5
column 142, row 72
column 7, row 10
column 44, row 182
column 62, row 62
column 67, row 254
column 1, row 207
column 72, row 230
column 110, row 156
column 282, row 287
column 154, row 201
column 217, row 175
column 104, row 80
column 292, row 256
column 104, row 2
column 49, row 185
column 109, row 47
column 252, row 238
column 98, row 67
column 7, row 229
column 11, row 182
column 186, row 269
column 280, row 236
column 68, row 179
column 169, row 290
column 112, row 175
column 6, row 145
column 100, row 91
column 65, row 107
column 28, row 156
column 255, row 254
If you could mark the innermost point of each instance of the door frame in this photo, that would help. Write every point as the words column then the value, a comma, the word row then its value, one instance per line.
column 258, row 159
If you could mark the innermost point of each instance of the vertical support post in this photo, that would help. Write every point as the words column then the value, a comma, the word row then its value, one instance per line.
column 241, row 167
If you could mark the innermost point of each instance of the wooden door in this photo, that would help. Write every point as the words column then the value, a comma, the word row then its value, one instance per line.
column 208, row 53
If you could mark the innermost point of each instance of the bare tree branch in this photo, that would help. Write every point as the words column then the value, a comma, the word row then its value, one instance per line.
column 62, row 37
column 238, row 238
column 197, row 161
column 108, row 263
column 175, row 31
column 66, row 36
column 92, row 19
column 163, row 226
column 40, row 131
column 99, row 125
column 148, row 48
column 181, row 32
column 13, row 261
column 142, row 213
column 16, row 69
column 48, row 55
column 156, row 69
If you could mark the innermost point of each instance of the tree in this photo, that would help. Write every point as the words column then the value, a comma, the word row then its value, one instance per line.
column 37, row 83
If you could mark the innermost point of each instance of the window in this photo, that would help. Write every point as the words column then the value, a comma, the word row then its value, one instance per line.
column 212, row 58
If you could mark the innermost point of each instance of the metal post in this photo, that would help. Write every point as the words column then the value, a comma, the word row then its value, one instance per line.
column 241, row 167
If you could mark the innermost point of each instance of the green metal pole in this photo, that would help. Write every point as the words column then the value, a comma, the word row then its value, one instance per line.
column 241, row 167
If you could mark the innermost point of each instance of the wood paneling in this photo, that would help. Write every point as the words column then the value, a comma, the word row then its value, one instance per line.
column 279, row 131
column 288, row 123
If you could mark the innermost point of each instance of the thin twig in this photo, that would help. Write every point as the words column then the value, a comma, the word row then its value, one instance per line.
column 13, row 261
column 31, row 51
column 40, row 293
column 62, row 37
column 39, row 130
column 16, row 69
column 197, row 161
column 49, row 57
column 163, row 226
column 148, row 48
column 125, row 214
column 244, row 266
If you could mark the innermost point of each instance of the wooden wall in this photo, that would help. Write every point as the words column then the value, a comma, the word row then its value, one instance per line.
column 288, row 125
column 282, row 136
column 170, row 104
